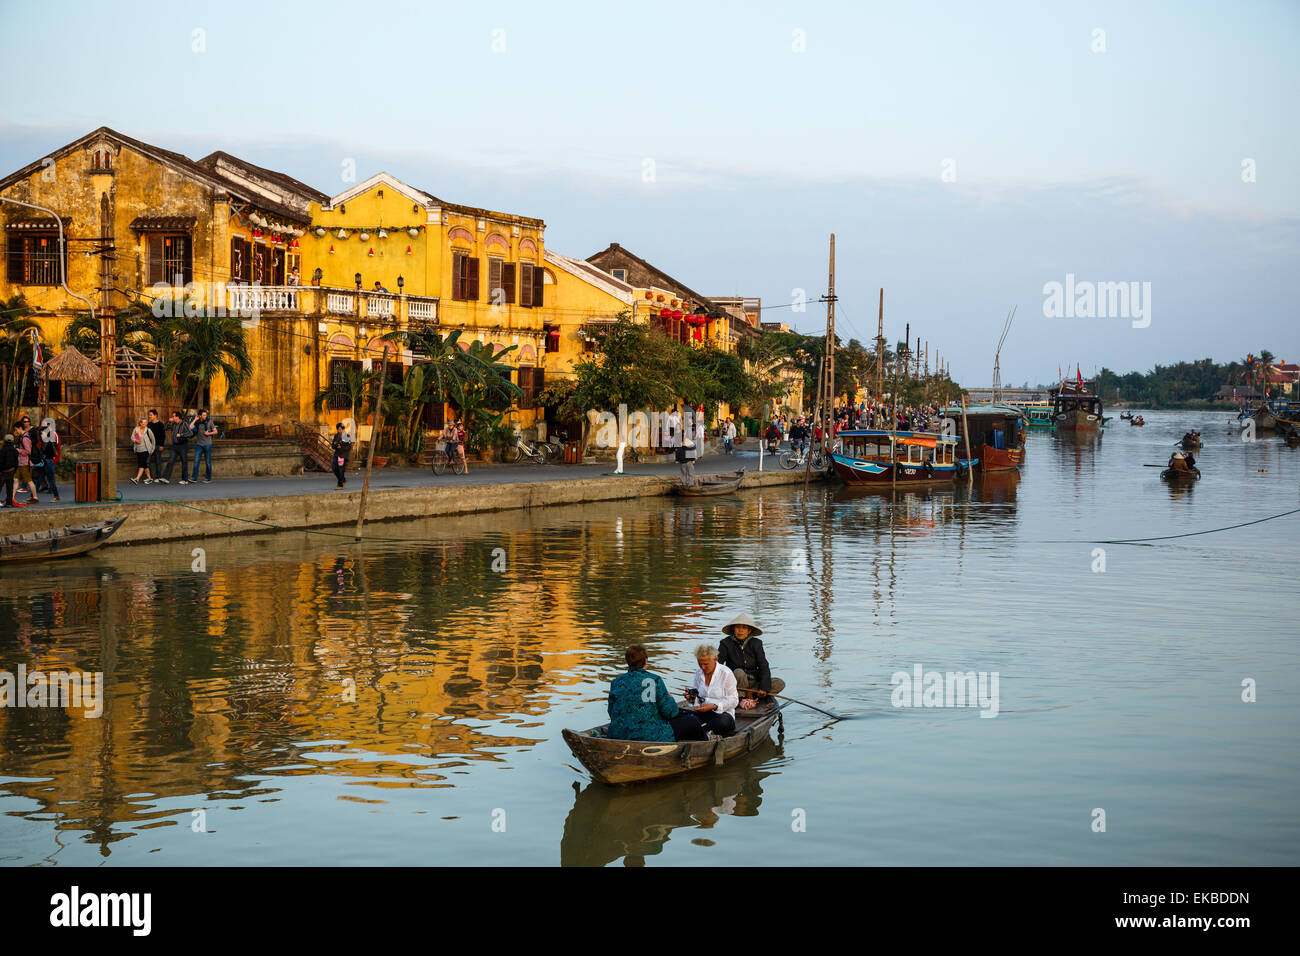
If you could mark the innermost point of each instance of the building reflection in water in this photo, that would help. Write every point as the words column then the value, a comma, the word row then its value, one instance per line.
column 391, row 664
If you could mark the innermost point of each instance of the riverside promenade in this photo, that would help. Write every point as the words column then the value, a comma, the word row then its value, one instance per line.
column 246, row 505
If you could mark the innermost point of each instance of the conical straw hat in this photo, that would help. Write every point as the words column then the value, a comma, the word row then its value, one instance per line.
column 745, row 619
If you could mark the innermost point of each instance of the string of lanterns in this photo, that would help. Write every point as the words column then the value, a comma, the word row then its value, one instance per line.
column 364, row 232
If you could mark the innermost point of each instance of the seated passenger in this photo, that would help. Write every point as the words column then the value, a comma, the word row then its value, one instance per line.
column 742, row 652
column 714, row 690
column 640, row 707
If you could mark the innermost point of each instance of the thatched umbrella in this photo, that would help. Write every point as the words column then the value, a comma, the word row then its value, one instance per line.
column 71, row 366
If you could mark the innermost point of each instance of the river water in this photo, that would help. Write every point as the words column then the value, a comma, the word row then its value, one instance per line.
column 303, row 699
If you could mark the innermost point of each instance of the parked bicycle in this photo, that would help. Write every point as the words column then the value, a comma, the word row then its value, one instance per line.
column 798, row 458
column 528, row 450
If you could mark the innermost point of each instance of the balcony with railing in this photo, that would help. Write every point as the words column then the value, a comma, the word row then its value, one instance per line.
column 253, row 302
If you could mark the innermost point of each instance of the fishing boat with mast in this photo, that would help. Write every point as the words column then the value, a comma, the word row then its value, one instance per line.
column 1076, row 405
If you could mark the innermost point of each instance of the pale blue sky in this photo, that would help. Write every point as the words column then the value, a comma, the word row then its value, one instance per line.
column 1115, row 166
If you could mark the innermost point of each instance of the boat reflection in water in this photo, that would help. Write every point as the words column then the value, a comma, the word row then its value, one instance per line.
column 631, row 823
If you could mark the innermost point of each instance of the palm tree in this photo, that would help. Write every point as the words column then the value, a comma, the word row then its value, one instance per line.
column 135, row 328
column 201, row 348
column 355, row 387
column 15, row 355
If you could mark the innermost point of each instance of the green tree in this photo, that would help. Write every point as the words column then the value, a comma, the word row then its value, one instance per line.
column 198, row 349
column 15, row 355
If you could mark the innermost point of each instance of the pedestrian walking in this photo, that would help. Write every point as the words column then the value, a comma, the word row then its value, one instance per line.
column 142, row 444
column 341, row 448
column 8, row 469
column 729, row 436
column 460, row 444
column 159, row 443
column 51, row 453
column 203, row 432
column 180, row 433
column 23, row 473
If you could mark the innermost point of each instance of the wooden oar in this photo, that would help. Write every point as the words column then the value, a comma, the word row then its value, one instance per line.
column 793, row 701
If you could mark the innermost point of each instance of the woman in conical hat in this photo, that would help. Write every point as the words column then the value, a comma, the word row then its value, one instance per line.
column 741, row 651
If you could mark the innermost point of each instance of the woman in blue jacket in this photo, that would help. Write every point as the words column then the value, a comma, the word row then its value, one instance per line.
column 640, row 707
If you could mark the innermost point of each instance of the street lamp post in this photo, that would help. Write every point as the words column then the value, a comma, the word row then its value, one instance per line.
column 108, row 350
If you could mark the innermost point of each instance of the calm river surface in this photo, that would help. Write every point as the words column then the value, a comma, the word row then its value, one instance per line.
column 400, row 702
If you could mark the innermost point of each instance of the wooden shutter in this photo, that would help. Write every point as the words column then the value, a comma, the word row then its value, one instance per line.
column 154, row 252
column 457, row 276
column 508, row 281
column 494, row 280
column 526, row 284
column 539, row 276
column 14, row 258
column 471, row 292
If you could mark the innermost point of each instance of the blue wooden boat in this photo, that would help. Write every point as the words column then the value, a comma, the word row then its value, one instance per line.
column 878, row 457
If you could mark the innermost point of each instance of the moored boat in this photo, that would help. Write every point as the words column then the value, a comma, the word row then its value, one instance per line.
column 636, row 761
column 871, row 456
column 1039, row 415
column 1075, row 406
column 996, row 432
column 712, row 484
column 56, row 542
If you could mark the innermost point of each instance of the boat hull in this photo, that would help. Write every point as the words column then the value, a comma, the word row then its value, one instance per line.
column 1001, row 459
column 620, row 762
column 56, row 543
column 1077, row 420
column 857, row 471
column 708, row 485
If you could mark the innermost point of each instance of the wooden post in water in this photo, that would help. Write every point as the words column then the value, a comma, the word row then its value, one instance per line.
column 807, row 459
column 374, row 440
column 965, row 432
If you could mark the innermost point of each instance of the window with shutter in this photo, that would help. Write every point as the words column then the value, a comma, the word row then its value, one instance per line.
column 33, row 258
column 539, row 280
column 169, row 259
column 526, row 284
column 464, row 277
column 508, row 282
column 471, row 283
column 496, row 292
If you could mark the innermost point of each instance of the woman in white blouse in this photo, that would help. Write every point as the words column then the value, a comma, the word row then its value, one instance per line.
column 716, row 695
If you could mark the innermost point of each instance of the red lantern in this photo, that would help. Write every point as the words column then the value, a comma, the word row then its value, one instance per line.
column 371, row 253
column 408, row 250
column 649, row 294
column 660, row 299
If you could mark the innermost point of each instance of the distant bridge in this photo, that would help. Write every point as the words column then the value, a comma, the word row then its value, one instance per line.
column 1010, row 396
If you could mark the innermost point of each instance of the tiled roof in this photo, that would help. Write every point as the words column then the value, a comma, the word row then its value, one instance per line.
column 162, row 223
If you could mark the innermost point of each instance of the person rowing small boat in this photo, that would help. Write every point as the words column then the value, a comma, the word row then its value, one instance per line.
column 1191, row 440
column 1181, row 465
column 743, row 653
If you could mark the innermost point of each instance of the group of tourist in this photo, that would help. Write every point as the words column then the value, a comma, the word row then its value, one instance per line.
column 151, row 436
column 28, row 459
column 640, row 707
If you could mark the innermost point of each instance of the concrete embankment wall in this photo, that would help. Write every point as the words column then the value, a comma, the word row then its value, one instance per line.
column 167, row 521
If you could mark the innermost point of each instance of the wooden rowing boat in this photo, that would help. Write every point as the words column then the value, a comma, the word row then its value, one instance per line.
column 636, row 761
column 1181, row 474
column 56, row 542
column 712, row 484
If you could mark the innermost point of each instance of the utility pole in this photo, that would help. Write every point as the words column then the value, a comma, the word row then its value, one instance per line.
column 880, row 349
column 828, row 394
column 374, row 440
